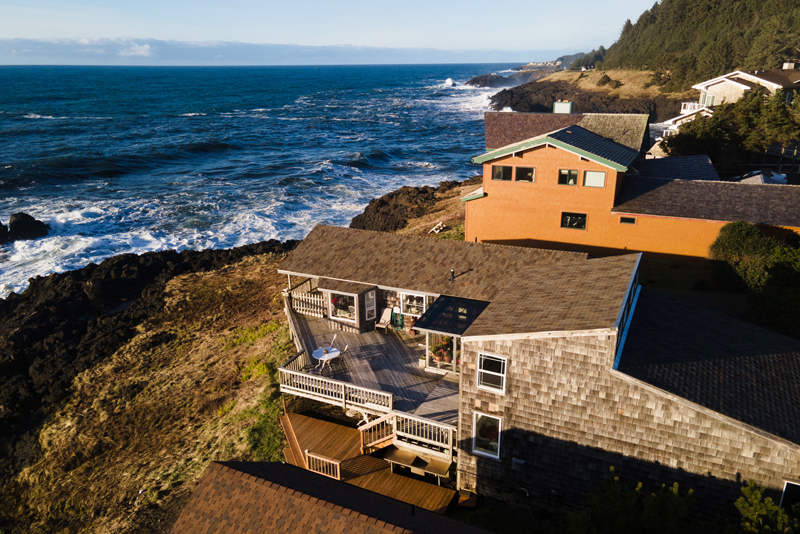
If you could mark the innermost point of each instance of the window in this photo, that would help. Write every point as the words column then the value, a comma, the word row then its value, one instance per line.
column 369, row 300
column 486, row 435
column 492, row 372
column 703, row 98
column 627, row 220
column 343, row 306
column 567, row 177
column 526, row 174
column 791, row 495
column 710, row 99
column 594, row 179
column 413, row 304
column 501, row 172
column 573, row 220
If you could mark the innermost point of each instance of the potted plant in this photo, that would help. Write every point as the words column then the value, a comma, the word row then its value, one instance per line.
column 423, row 361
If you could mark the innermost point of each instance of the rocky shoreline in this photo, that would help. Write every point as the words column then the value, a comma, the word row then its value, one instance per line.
column 66, row 323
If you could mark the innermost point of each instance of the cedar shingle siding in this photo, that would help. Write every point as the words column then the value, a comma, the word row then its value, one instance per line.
column 570, row 417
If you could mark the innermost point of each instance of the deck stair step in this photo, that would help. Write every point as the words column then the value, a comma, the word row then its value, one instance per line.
column 287, row 454
column 297, row 453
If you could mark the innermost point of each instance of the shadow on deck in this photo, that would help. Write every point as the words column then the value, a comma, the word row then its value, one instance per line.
column 343, row 444
column 386, row 362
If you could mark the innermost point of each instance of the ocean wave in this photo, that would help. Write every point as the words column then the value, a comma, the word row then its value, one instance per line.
column 193, row 115
column 44, row 117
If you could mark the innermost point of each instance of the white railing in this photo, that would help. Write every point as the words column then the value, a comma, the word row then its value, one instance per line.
column 425, row 435
column 296, row 362
column 418, row 434
column 303, row 300
column 324, row 465
column 333, row 391
column 688, row 107
column 376, row 432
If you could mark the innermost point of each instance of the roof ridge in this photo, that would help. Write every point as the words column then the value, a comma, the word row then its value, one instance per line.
column 734, row 182
column 453, row 242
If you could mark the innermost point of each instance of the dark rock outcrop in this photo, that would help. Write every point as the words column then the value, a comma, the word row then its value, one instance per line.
column 23, row 226
column 539, row 97
column 518, row 78
column 66, row 323
column 3, row 233
column 392, row 211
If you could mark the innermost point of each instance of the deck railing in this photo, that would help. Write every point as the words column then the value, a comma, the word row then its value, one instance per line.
column 302, row 299
column 296, row 362
column 425, row 435
column 376, row 432
column 333, row 391
column 418, row 434
column 324, row 465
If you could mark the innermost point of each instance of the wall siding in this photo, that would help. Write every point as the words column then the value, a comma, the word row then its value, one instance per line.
column 569, row 417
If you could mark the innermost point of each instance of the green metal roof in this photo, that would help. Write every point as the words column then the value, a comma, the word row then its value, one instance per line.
column 574, row 139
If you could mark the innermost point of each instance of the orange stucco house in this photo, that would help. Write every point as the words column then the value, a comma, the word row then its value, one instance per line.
column 586, row 186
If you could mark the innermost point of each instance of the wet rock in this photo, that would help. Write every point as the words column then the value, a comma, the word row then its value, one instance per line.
column 23, row 226
column 3, row 233
column 518, row 78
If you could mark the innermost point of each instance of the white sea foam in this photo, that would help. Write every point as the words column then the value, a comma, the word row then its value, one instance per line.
column 44, row 117
column 193, row 115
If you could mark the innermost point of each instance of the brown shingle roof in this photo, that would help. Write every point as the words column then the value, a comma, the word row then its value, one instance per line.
column 729, row 366
column 557, row 298
column 504, row 128
column 415, row 263
column 777, row 205
column 255, row 497
column 337, row 286
column 679, row 168
column 629, row 129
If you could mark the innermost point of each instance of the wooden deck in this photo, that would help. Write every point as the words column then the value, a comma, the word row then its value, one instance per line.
column 441, row 405
column 386, row 362
column 369, row 472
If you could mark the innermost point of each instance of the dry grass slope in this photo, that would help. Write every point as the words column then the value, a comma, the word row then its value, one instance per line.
column 139, row 430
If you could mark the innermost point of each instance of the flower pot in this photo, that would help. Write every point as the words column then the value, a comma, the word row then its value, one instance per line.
column 423, row 363
column 437, row 358
column 448, row 359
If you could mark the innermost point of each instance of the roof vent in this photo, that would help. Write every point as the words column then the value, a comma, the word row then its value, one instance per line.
column 562, row 106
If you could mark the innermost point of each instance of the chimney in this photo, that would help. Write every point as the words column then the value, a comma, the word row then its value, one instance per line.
column 562, row 106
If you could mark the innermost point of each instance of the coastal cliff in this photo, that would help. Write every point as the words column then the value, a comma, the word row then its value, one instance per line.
column 120, row 382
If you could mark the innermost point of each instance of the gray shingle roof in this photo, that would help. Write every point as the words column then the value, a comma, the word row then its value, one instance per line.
column 729, row 366
column 339, row 286
column 679, row 168
column 593, row 143
column 504, row 129
column 557, row 298
column 415, row 263
column 777, row 205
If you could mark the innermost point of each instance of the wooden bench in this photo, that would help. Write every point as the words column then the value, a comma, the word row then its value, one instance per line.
column 419, row 465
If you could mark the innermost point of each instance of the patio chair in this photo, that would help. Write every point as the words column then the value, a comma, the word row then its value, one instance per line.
column 397, row 319
column 385, row 321
column 340, row 359
column 331, row 344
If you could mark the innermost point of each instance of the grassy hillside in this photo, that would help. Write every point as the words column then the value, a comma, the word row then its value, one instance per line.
column 690, row 41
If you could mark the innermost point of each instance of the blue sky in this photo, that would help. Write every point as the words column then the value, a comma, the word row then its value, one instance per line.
column 513, row 26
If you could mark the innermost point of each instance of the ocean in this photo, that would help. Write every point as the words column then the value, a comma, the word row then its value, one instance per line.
column 138, row 159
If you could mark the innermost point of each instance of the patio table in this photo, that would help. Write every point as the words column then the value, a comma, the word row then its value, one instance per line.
column 320, row 355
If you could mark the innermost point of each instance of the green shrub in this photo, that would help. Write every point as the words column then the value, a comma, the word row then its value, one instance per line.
column 246, row 336
column 759, row 514
column 742, row 245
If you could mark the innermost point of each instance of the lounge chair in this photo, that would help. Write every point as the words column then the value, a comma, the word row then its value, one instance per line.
column 385, row 321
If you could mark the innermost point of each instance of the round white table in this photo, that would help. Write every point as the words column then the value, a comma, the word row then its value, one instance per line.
column 324, row 357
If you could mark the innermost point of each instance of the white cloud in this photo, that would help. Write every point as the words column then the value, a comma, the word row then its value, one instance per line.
column 137, row 51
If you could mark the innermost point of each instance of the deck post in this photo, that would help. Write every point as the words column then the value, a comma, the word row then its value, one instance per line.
column 455, row 345
column 290, row 281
